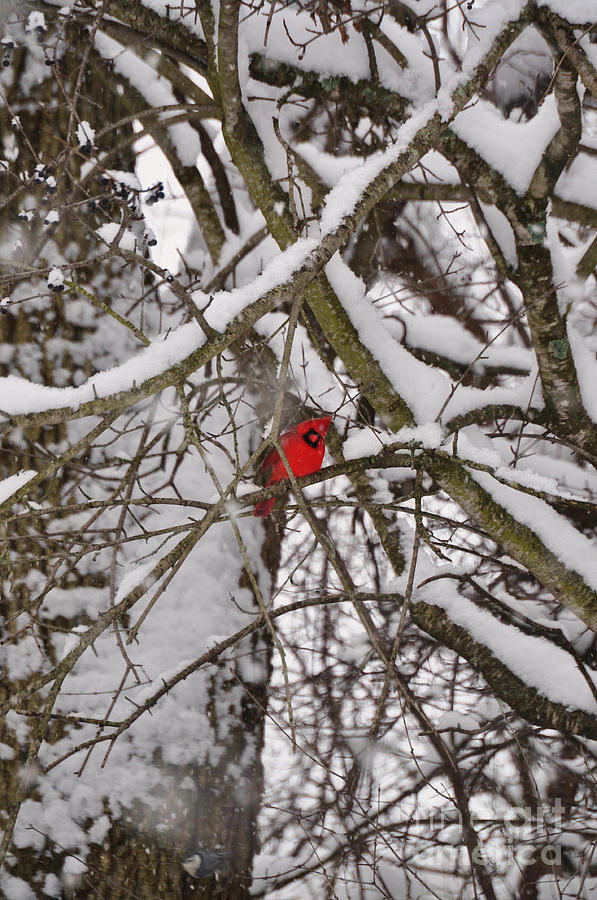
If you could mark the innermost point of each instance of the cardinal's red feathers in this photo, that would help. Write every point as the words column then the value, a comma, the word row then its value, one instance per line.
column 304, row 447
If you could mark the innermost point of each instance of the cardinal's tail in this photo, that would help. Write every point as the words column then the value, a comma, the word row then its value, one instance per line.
column 264, row 508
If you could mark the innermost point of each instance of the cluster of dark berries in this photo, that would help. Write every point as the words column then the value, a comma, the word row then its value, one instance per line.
column 8, row 46
column 51, row 186
column 156, row 193
column 121, row 190
column 37, row 23
column 40, row 173
column 114, row 189
column 52, row 219
column 100, row 203
column 56, row 281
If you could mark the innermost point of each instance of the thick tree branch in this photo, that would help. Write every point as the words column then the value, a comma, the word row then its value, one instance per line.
column 525, row 700
column 520, row 541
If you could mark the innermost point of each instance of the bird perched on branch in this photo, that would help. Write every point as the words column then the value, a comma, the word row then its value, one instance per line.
column 304, row 447
column 204, row 863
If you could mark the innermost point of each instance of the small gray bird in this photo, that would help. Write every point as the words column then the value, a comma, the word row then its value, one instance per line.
column 204, row 862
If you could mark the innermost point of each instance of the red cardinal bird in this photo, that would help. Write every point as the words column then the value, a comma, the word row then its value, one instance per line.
column 304, row 446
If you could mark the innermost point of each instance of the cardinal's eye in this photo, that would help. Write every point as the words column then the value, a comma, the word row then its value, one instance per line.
column 312, row 437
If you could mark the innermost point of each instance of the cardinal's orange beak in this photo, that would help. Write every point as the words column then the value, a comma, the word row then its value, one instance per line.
column 322, row 425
